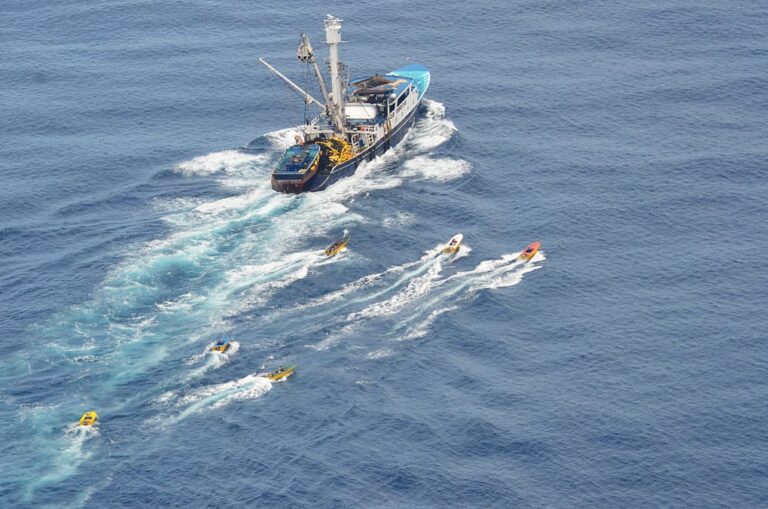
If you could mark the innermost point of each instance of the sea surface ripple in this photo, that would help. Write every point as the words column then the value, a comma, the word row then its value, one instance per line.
column 625, row 366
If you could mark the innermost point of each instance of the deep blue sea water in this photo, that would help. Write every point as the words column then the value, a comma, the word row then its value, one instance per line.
column 625, row 367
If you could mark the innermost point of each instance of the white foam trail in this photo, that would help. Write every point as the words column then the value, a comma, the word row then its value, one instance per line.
column 464, row 251
column 219, row 395
column 183, row 302
column 284, row 138
column 230, row 161
column 422, row 328
column 71, row 455
column 416, row 288
column 426, row 294
column 505, row 278
column 418, row 282
column 433, row 129
column 248, row 387
column 360, row 285
column 439, row 170
column 431, row 259
column 489, row 274
column 380, row 354
column 428, row 263
column 239, row 202
column 399, row 219
column 198, row 244
column 334, row 338
column 345, row 290
column 173, row 206
column 254, row 285
column 166, row 398
column 437, row 252
column 343, row 254
column 213, row 360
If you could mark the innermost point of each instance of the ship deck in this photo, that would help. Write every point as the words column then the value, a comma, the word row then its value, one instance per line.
column 296, row 160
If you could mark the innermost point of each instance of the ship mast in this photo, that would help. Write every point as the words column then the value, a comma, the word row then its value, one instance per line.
column 334, row 101
column 305, row 53
column 333, row 38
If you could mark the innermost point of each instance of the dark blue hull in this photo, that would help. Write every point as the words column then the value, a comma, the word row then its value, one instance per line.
column 347, row 168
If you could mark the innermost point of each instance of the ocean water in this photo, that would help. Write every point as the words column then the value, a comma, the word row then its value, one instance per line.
column 624, row 367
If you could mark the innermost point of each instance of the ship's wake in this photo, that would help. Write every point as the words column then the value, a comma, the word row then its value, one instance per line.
column 210, row 397
column 410, row 297
column 225, row 258
column 203, row 362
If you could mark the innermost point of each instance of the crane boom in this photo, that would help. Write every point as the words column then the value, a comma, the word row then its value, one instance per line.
column 308, row 98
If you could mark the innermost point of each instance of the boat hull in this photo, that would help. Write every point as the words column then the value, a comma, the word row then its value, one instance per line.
column 454, row 244
column 333, row 250
column 322, row 179
column 529, row 252
column 282, row 375
column 88, row 419
column 297, row 166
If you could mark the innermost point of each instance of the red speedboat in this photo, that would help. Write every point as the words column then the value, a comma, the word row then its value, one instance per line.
column 529, row 252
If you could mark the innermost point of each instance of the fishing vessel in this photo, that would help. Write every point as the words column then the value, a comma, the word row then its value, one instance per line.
column 359, row 119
